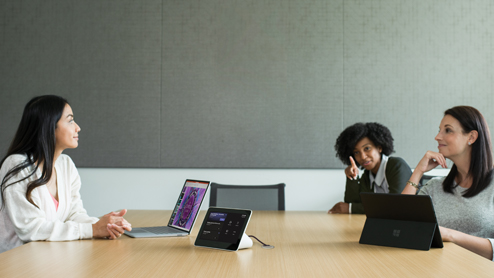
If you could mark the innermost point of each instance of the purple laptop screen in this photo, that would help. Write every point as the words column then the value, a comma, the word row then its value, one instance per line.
column 188, row 204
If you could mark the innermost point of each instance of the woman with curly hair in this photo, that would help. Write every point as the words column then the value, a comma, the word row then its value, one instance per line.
column 464, row 199
column 367, row 146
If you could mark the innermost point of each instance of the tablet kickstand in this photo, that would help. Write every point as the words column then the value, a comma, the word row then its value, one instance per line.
column 245, row 242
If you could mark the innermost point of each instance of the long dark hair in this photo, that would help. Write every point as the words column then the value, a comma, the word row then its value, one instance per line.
column 481, row 158
column 35, row 138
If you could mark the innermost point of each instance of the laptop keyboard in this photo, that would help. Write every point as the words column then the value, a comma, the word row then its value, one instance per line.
column 161, row 230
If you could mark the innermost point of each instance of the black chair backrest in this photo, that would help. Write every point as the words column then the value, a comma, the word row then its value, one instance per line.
column 425, row 179
column 254, row 197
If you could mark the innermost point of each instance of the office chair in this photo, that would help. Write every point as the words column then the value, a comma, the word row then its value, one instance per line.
column 425, row 179
column 254, row 197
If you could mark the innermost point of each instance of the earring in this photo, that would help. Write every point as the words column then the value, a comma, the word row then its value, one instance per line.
column 469, row 143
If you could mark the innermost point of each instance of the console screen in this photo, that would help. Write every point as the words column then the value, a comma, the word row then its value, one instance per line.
column 223, row 228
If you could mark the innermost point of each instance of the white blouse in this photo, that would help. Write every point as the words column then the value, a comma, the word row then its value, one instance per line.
column 21, row 221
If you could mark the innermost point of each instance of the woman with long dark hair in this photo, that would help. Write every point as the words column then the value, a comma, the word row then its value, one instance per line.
column 40, row 197
column 464, row 199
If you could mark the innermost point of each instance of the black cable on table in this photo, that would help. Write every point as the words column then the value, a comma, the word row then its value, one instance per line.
column 264, row 245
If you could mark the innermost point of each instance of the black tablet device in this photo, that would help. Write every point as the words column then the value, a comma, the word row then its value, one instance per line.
column 400, row 220
column 223, row 228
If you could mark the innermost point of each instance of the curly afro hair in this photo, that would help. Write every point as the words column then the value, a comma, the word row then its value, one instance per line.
column 377, row 133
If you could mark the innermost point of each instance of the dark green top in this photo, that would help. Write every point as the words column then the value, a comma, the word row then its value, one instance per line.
column 397, row 174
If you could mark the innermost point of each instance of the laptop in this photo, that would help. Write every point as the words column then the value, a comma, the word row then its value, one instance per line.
column 183, row 216
column 396, row 220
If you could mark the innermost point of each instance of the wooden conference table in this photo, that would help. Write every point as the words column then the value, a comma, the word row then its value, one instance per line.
column 307, row 244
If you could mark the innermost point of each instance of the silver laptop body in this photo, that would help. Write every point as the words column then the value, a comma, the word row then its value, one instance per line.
column 184, row 214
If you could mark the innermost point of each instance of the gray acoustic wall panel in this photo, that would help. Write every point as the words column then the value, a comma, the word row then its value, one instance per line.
column 244, row 84
column 251, row 84
column 104, row 57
